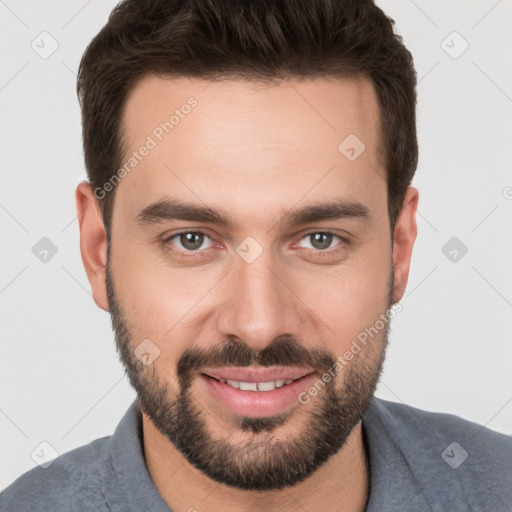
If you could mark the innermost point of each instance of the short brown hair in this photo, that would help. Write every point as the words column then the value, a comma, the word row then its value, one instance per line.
column 252, row 40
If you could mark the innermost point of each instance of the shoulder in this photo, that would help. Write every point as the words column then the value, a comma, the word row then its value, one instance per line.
column 72, row 481
column 447, row 454
column 443, row 426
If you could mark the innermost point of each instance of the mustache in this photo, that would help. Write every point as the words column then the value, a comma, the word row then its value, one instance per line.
column 284, row 350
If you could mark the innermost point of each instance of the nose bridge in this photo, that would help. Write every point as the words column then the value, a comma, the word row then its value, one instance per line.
column 259, row 305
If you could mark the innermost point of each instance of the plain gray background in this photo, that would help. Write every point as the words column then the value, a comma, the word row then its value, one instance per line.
column 450, row 347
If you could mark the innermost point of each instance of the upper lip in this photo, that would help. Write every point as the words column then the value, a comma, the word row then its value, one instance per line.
column 247, row 374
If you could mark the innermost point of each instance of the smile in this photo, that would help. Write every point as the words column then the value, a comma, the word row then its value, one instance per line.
column 257, row 386
column 256, row 392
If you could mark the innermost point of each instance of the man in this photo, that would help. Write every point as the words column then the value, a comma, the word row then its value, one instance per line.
column 249, row 223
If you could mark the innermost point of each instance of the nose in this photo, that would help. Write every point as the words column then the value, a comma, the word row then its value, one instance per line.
column 259, row 303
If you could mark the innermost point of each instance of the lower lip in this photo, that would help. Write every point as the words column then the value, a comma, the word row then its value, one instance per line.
column 257, row 403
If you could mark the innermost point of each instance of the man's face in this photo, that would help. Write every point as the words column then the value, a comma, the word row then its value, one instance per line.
column 271, row 297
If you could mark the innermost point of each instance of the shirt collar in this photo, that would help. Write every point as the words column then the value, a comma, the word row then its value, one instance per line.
column 127, row 456
column 390, row 477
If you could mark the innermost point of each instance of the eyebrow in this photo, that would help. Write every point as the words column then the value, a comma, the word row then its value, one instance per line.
column 167, row 209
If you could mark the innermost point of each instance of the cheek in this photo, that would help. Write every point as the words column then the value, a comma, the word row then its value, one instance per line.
column 161, row 302
column 351, row 298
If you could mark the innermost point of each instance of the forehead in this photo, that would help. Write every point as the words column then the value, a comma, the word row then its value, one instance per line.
column 245, row 146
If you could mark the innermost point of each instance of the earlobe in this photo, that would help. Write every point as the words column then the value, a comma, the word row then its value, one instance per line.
column 93, row 242
column 404, row 237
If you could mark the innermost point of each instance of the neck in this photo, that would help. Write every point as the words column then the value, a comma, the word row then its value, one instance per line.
column 342, row 483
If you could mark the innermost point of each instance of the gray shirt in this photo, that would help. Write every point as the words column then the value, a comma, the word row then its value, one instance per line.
column 419, row 461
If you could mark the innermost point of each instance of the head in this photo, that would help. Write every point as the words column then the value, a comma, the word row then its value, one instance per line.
column 249, row 206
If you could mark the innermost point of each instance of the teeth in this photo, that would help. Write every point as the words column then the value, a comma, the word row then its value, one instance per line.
column 266, row 386
column 257, row 386
column 248, row 386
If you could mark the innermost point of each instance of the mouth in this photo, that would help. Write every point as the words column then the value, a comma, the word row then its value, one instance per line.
column 269, row 385
column 256, row 392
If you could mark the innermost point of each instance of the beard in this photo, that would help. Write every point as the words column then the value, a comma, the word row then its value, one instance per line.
column 261, row 462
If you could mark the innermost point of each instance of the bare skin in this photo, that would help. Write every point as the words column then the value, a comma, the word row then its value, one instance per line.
column 255, row 152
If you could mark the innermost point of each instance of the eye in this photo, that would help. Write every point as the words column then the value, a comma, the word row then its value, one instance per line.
column 195, row 243
column 188, row 241
column 321, row 240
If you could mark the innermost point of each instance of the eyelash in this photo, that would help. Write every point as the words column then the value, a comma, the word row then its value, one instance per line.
column 198, row 253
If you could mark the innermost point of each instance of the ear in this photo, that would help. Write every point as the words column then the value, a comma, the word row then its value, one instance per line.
column 93, row 242
column 404, row 238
